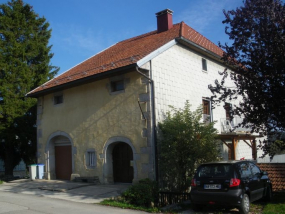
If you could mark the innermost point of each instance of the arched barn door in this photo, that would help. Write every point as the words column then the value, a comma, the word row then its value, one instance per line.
column 122, row 163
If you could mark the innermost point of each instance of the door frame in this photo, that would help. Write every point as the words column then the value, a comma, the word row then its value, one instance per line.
column 50, row 156
column 123, row 171
column 108, row 177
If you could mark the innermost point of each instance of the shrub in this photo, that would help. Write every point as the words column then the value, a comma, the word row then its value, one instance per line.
column 184, row 142
column 143, row 193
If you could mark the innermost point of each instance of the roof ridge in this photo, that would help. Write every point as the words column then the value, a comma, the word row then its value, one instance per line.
column 143, row 35
column 138, row 37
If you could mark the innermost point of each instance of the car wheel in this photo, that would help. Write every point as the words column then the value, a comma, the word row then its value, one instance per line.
column 196, row 207
column 268, row 195
column 244, row 208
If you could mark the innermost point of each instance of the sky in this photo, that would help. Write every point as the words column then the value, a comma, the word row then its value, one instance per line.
column 83, row 28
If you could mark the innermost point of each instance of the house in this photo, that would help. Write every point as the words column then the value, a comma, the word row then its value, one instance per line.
column 99, row 118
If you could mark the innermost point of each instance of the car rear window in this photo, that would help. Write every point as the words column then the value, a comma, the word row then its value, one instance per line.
column 218, row 170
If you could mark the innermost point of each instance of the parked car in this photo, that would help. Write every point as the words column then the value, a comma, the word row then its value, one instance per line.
column 231, row 184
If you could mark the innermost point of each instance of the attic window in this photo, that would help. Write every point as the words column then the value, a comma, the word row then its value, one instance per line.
column 58, row 99
column 117, row 86
column 204, row 64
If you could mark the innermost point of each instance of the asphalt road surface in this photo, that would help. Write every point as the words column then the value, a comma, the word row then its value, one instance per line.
column 17, row 203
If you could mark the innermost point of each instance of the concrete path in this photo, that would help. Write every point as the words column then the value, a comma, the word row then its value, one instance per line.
column 66, row 190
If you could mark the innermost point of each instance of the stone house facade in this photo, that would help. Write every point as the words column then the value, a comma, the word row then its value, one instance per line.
column 99, row 118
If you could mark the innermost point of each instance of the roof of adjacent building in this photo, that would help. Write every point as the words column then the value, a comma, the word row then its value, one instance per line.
column 125, row 54
column 276, row 173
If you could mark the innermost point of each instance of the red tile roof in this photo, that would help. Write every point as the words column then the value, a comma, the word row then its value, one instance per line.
column 127, row 52
column 276, row 173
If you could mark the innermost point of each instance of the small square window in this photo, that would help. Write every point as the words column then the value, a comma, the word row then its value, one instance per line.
column 204, row 64
column 117, row 86
column 91, row 161
column 58, row 99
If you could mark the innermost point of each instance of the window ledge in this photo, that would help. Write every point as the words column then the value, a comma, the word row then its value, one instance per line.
column 117, row 92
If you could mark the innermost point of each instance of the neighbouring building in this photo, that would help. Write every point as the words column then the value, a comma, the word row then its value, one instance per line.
column 99, row 118
column 19, row 170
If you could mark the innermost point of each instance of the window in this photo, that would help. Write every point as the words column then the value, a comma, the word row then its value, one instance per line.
column 244, row 170
column 255, row 170
column 206, row 110
column 58, row 99
column 228, row 108
column 90, row 156
column 219, row 170
column 206, row 107
column 204, row 64
column 117, row 86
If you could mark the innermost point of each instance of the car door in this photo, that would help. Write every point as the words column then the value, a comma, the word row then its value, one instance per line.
column 259, row 185
column 247, row 179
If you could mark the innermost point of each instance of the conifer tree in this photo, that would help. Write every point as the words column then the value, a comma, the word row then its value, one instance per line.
column 24, row 64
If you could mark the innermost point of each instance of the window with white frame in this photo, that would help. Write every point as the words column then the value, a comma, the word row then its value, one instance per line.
column 90, row 157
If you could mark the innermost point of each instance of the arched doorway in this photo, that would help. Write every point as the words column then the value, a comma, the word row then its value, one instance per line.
column 59, row 161
column 123, row 163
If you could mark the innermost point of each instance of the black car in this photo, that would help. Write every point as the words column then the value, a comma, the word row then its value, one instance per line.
column 229, row 184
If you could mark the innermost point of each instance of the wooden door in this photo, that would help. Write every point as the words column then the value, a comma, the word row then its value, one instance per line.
column 63, row 162
column 122, row 160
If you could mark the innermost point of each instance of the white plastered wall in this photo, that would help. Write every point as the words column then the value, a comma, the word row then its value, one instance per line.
column 178, row 76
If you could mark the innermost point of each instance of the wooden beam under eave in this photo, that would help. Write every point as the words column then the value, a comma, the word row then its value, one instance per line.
column 233, row 152
column 250, row 145
column 226, row 144
column 254, row 151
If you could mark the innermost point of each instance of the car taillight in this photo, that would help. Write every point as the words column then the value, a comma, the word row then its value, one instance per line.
column 193, row 183
column 234, row 182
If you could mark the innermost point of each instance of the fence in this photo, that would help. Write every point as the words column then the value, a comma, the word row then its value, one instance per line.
column 167, row 198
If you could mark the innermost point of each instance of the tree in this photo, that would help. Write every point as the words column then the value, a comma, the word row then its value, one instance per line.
column 24, row 65
column 257, row 54
column 184, row 143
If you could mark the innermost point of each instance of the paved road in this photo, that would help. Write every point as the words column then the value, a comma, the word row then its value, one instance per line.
column 17, row 203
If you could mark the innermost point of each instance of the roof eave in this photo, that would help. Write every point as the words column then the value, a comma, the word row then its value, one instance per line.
column 85, row 80
column 198, row 48
column 156, row 52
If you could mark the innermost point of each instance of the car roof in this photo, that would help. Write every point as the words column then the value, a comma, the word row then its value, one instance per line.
column 226, row 162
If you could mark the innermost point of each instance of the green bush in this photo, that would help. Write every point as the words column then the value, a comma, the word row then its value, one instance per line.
column 184, row 142
column 143, row 193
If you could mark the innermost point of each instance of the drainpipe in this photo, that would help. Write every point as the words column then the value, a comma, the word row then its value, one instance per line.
column 154, row 135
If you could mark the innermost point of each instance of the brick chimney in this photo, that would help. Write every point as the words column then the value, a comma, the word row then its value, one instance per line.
column 164, row 20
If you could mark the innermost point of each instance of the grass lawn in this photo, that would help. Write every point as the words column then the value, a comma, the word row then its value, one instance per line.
column 1, row 182
column 276, row 206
